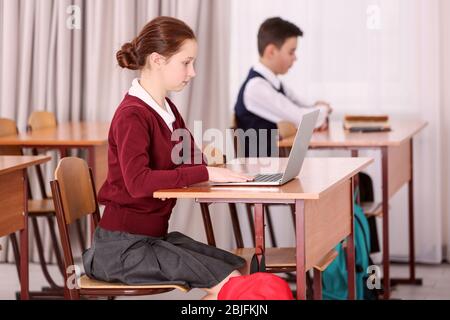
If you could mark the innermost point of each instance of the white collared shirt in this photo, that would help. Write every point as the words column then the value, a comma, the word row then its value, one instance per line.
column 138, row 91
column 262, row 98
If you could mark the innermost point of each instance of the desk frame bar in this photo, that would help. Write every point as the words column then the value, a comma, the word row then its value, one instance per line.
column 24, row 275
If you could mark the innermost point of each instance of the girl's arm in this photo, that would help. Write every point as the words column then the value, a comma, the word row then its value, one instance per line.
column 133, row 142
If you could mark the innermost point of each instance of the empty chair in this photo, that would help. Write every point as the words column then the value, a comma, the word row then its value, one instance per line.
column 36, row 207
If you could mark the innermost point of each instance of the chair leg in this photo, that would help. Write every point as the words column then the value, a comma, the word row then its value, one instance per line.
column 270, row 227
column 236, row 227
column 250, row 221
column 208, row 224
column 309, row 286
column 317, row 284
column 293, row 216
column 56, row 249
column 16, row 252
column 41, row 254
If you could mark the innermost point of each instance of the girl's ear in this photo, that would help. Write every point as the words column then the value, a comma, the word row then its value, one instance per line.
column 155, row 60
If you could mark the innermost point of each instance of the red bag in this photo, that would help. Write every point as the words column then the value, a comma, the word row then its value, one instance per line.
column 257, row 286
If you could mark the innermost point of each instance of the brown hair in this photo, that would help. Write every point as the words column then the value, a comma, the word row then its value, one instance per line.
column 276, row 31
column 163, row 35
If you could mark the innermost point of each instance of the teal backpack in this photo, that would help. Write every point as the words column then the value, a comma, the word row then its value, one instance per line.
column 334, row 278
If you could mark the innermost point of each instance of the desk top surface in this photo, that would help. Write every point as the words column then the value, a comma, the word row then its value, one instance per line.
column 318, row 175
column 12, row 163
column 336, row 136
column 65, row 134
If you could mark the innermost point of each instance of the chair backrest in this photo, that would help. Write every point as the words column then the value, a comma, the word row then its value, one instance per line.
column 8, row 127
column 235, row 139
column 75, row 190
column 286, row 129
column 74, row 197
column 41, row 120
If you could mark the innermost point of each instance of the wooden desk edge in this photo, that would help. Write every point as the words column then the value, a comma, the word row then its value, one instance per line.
column 179, row 194
column 37, row 160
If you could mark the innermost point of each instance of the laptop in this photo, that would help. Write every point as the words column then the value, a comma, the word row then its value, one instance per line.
column 295, row 161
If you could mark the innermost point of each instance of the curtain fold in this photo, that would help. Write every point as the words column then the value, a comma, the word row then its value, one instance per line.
column 46, row 64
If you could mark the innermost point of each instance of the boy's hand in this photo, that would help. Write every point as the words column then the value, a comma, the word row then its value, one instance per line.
column 324, row 104
column 324, row 127
column 226, row 175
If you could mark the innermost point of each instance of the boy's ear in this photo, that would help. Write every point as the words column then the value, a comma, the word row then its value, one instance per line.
column 270, row 50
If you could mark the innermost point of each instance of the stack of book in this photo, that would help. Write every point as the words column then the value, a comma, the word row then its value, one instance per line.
column 364, row 123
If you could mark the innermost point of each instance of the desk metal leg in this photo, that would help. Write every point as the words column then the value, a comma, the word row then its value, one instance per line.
column 300, row 249
column 317, row 284
column 412, row 256
column 350, row 256
column 24, row 272
column 385, row 217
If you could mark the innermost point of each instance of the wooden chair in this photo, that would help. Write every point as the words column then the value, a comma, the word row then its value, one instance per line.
column 42, row 120
column 286, row 129
column 74, row 196
column 42, row 208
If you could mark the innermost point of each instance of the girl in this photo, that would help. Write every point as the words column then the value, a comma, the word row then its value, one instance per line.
column 131, row 244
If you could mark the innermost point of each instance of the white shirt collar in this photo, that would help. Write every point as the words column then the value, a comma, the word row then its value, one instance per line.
column 268, row 74
column 138, row 91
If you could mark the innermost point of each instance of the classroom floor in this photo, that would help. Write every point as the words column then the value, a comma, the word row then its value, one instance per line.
column 436, row 283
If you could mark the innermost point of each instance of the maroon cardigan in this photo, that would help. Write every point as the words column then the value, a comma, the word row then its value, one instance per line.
column 139, row 163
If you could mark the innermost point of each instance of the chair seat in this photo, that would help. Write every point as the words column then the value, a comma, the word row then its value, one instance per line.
column 275, row 257
column 36, row 207
column 88, row 283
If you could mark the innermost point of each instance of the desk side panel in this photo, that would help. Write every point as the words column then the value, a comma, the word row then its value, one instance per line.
column 327, row 222
column 399, row 166
column 11, row 202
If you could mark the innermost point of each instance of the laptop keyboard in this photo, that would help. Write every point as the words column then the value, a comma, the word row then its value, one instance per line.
column 268, row 177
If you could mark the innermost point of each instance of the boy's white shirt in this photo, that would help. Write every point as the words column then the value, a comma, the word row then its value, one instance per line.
column 261, row 98
column 138, row 91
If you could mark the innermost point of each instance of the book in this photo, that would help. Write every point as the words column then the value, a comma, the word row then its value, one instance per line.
column 367, row 123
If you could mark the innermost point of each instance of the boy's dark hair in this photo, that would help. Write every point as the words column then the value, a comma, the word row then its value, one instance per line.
column 276, row 31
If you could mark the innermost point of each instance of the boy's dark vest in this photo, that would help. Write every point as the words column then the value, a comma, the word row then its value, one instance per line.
column 246, row 120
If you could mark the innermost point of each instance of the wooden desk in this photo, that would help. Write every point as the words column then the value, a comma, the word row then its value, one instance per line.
column 13, row 201
column 397, row 166
column 92, row 136
column 323, row 199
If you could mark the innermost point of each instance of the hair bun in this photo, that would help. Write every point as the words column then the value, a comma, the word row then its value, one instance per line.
column 127, row 57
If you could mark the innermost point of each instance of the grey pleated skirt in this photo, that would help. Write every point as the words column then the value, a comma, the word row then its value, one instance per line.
column 174, row 259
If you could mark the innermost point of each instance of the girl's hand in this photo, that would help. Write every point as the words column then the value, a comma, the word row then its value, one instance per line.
column 226, row 175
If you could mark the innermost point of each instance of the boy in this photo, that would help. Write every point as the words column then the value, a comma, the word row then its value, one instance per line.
column 263, row 100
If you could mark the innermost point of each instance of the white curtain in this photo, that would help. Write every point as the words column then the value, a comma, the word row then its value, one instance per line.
column 372, row 56
column 59, row 56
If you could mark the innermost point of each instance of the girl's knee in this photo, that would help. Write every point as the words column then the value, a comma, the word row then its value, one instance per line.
column 215, row 290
